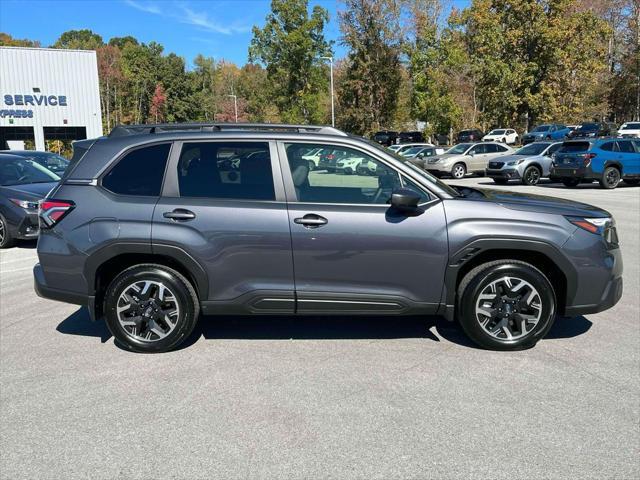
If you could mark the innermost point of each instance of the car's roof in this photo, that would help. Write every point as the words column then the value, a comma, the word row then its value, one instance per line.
column 9, row 156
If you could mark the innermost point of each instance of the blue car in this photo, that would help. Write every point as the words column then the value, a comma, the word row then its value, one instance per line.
column 607, row 160
column 548, row 131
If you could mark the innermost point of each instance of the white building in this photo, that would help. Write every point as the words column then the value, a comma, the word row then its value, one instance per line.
column 48, row 94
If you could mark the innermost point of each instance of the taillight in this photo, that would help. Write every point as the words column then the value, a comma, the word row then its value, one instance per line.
column 52, row 211
column 586, row 159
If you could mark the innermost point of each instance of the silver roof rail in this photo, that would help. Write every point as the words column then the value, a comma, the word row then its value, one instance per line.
column 142, row 129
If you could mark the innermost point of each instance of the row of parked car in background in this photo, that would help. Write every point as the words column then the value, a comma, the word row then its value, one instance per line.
column 509, row 136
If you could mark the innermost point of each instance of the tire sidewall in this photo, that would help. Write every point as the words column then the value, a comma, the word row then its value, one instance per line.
column 526, row 175
column 481, row 280
column 454, row 169
column 8, row 239
column 604, row 182
column 187, row 310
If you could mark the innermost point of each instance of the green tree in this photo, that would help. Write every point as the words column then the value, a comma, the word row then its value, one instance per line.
column 290, row 46
column 79, row 40
column 371, row 80
column 7, row 40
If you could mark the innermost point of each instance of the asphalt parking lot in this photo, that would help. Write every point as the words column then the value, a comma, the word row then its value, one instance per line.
column 322, row 397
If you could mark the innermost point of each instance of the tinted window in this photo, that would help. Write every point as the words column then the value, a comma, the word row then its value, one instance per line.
column 588, row 127
column 22, row 171
column 609, row 147
column 553, row 148
column 542, row 128
column 490, row 149
column 424, row 196
column 532, row 149
column 626, row 147
column 139, row 172
column 240, row 170
column 631, row 126
column 480, row 148
column 459, row 149
column 570, row 147
column 358, row 179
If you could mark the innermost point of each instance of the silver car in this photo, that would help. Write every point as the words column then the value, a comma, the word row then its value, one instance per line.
column 466, row 158
column 528, row 164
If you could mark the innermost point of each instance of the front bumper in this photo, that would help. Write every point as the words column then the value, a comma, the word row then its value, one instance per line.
column 437, row 167
column 28, row 228
column 504, row 173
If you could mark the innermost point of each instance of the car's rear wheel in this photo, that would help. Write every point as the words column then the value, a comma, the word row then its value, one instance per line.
column 506, row 305
column 6, row 239
column 151, row 308
column 570, row 182
column 610, row 178
column 531, row 175
column 458, row 171
column 501, row 181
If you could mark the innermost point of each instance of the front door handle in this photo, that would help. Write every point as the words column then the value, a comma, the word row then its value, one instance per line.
column 180, row 214
column 311, row 220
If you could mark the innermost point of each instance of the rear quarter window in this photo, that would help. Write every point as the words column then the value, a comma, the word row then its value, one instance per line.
column 139, row 172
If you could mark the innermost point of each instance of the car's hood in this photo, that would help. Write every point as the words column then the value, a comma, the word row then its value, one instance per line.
column 534, row 134
column 543, row 204
column 29, row 191
column 445, row 156
column 512, row 157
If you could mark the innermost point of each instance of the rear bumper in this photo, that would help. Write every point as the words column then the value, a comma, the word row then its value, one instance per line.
column 45, row 291
column 507, row 173
column 572, row 172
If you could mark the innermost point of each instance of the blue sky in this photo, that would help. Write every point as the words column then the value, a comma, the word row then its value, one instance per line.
column 216, row 28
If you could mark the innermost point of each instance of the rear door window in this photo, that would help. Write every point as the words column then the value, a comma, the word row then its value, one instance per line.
column 572, row 147
column 139, row 172
column 626, row 147
column 609, row 147
column 226, row 170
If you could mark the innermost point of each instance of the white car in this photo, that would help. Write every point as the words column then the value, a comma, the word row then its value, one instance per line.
column 348, row 165
column 313, row 157
column 629, row 130
column 403, row 147
column 503, row 135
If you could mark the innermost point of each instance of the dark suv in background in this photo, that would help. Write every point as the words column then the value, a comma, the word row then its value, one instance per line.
column 473, row 135
column 386, row 138
column 593, row 130
column 410, row 137
column 153, row 225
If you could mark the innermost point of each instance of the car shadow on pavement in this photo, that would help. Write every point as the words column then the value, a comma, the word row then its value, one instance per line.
column 79, row 323
column 25, row 244
column 290, row 327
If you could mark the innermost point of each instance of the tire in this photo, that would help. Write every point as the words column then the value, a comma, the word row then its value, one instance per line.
column 570, row 182
column 148, row 278
column 458, row 171
column 501, row 181
column 531, row 175
column 348, row 171
column 6, row 239
column 496, row 324
column 632, row 181
column 610, row 178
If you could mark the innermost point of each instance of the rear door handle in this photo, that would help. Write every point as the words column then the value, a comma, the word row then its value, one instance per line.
column 180, row 214
column 311, row 220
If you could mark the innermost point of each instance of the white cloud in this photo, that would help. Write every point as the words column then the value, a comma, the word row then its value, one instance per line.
column 184, row 14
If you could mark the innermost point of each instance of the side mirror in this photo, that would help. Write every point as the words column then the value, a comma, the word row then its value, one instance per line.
column 405, row 199
column 472, row 153
column 421, row 155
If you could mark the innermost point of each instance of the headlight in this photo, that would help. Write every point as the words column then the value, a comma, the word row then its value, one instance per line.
column 593, row 225
column 27, row 205
column 515, row 162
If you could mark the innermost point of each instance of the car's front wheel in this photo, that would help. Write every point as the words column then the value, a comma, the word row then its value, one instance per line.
column 151, row 308
column 458, row 171
column 531, row 175
column 610, row 178
column 6, row 239
column 506, row 305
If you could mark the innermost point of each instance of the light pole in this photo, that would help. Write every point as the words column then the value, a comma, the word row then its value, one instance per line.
column 235, row 104
column 333, row 114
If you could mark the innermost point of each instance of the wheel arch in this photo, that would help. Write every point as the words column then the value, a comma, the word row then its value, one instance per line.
column 103, row 266
column 542, row 255
column 613, row 163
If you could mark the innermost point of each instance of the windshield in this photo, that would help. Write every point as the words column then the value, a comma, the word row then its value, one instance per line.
column 588, row 126
column 542, row 128
column 496, row 132
column 425, row 175
column 459, row 149
column 631, row 126
column 412, row 151
column 532, row 149
column 21, row 171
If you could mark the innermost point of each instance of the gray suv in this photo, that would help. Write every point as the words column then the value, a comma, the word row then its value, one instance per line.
column 153, row 225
